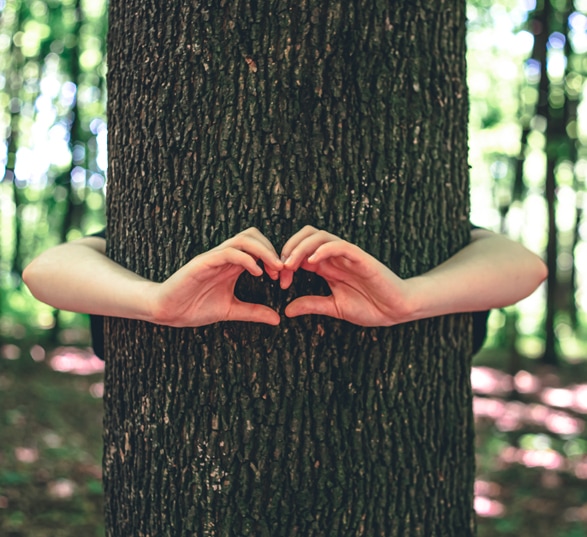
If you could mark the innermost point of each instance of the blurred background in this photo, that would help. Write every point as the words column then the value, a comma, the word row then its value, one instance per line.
column 528, row 151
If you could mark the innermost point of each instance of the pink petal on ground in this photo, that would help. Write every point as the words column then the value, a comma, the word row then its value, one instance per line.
column 513, row 417
column 538, row 413
column 562, row 423
column 490, row 381
column 76, row 361
column 509, row 455
column 488, row 508
column 581, row 469
column 62, row 488
column 580, row 393
column 525, row 382
column 26, row 455
column 533, row 458
column 486, row 488
column 557, row 397
column 488, row 408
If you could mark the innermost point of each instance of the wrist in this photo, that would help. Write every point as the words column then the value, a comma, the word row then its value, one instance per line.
column 418, row 293
column 155, row 309
column 401, row 301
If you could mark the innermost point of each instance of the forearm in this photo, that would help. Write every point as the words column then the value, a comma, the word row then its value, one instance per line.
column 490, row 272
column 78, row 277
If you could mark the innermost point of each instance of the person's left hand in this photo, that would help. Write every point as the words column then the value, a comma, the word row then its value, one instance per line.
column 364, row 290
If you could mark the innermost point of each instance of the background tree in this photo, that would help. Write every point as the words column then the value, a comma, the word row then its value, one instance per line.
column 348, row 116
column 531, row 445
column 52, row 161
column 53, row 158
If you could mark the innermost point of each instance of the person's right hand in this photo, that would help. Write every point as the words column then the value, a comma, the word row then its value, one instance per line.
column 202, row 291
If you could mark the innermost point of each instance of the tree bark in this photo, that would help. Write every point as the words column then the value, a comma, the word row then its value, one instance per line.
column 352, row 117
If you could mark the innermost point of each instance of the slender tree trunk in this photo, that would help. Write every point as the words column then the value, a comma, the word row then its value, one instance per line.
column 350, row 116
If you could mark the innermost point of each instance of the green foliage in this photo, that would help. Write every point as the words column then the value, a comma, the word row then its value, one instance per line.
column 52, row 69
column 53, row 160
column 53, row 92
column 517, row 55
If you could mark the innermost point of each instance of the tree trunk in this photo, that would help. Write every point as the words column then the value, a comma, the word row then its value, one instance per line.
column 350, row 116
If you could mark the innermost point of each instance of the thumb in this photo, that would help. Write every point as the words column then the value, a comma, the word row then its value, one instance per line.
column 319, row 305
column 256, row 313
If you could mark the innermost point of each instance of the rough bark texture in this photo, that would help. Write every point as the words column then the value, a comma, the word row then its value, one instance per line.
column 350, row 116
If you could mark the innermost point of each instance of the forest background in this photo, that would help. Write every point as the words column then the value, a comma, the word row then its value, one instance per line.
column 527, row 65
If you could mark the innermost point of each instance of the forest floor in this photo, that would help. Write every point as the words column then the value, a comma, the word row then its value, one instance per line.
column 531, row 445
column 50, row 446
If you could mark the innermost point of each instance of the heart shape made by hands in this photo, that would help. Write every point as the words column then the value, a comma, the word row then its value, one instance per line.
column 363, row 290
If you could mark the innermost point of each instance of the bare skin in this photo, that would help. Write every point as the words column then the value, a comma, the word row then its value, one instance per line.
column 492, row 271
column 77, row 276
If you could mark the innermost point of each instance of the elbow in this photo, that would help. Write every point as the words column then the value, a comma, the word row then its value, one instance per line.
column 537, row 273
column 544, row 273
column 532, row 271
column 28, row 274
column 541, row 271
column 31, row 276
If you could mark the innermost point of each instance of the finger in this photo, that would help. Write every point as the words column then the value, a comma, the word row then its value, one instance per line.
column 339, row 248
column 273, row 274
column 307, row 247
column 233, row 256
column 257, row 235
column 295, row 239
column 285, row 278
column 260, row 247
column 257, row 313
column 257, row 248
column 319, row 305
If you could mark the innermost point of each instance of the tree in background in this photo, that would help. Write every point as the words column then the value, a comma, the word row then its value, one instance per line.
column 348, row 116
column 53, row 156
column 52, row 119
column 528, row 153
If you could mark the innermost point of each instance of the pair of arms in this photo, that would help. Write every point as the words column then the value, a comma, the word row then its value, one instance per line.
column 491, row 271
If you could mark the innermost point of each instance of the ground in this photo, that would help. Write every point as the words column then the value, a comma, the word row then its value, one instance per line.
column 531, row 445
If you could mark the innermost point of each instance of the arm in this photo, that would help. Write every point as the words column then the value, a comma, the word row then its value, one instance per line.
column 78, row 276
column 491, row 271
